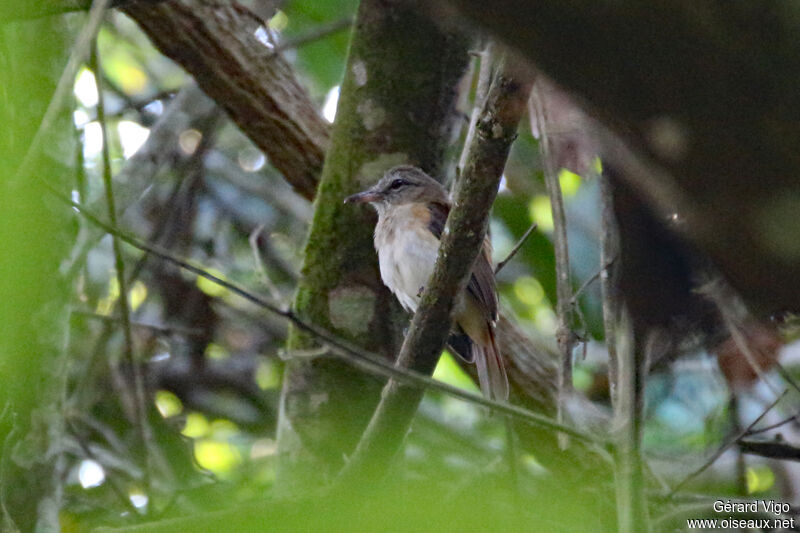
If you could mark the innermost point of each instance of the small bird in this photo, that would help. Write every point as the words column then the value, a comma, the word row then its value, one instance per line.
column 412, row 209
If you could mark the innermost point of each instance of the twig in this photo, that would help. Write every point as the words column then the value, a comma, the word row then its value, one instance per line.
column 772, row 426
column 461, row 241
column 320, row 32
column 787, row 377
column 594, row 277
column 63, row 90
column 339, row 347
column 730, row 442
column 119, row 264
column 522, row 240
column 564, row 307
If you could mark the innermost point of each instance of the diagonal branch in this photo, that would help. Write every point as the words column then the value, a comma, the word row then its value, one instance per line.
column 461, row 243
column 217, row 44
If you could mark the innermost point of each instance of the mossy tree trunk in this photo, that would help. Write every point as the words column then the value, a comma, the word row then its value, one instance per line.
column 396, row 106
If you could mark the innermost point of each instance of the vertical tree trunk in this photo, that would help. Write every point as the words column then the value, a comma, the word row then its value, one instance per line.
column 396, row 106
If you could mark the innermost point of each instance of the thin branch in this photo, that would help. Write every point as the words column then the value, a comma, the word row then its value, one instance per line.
column 320, row 32
column 585, row 285
column 119, row 263
column 770, row 427
column 730, row 442
column 609, row 251
column 564, row 307
column 343, row 349
column 461, row 242
column 515, row 249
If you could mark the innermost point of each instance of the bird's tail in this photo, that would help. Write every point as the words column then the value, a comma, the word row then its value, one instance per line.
column 491, row 372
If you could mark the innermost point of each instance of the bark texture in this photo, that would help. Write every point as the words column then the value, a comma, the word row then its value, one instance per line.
column 217, row 43
column 396, row 106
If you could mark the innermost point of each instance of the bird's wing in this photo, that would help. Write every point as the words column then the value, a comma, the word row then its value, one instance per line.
column 438, row 216
column 481, row 284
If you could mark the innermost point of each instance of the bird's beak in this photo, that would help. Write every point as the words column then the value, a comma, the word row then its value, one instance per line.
column 363, row 197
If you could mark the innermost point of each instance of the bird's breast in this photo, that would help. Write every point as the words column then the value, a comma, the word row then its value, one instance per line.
column 407, row 252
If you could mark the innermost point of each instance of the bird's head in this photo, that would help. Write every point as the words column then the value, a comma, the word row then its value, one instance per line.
column 401, row 185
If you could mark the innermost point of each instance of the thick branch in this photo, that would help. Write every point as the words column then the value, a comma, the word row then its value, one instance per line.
column 216, row 43
column 773, row 449
column 461, row 242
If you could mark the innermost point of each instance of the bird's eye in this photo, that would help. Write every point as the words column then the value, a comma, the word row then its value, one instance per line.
column 396, row 184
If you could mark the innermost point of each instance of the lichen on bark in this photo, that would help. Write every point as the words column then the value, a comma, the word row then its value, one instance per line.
column 396, row 106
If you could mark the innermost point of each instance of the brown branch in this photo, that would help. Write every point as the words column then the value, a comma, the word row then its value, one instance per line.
column 216, row 44
column 564, row 306
column 461, row 242
column 770, row 449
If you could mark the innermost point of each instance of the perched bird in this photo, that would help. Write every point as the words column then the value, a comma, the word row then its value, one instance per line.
column 412, row 209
